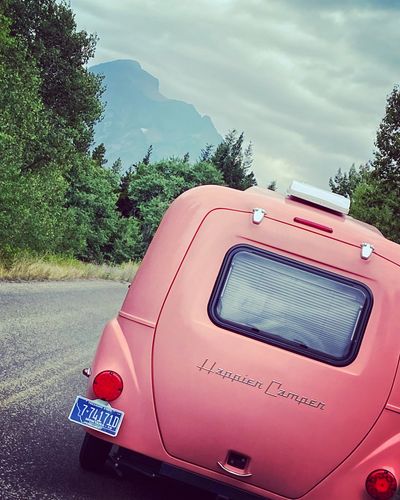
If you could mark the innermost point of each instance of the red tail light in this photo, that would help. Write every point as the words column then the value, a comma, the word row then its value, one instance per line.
column 381, row 484
column 108, row 385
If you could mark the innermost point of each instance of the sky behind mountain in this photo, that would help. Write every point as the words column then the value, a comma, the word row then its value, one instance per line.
column 138, row 116
column 306, row 80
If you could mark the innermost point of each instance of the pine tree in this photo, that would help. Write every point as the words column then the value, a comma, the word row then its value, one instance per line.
column 125, row 204
column 376, row 194
column 147, row 156
column 206, row 153
column 346, row 183
column 386, row 164
column 99, row 155
column 233, row 163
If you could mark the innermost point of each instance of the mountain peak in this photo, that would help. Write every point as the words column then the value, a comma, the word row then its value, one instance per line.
column 127, row 73
column 137, row 115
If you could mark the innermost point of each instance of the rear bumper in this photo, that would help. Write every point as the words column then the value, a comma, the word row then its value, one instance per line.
column 127, row 460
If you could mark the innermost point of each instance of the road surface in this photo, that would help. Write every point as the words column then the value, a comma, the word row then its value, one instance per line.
column 48, row 333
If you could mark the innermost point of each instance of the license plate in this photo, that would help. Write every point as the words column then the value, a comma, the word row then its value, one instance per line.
column 96, row 415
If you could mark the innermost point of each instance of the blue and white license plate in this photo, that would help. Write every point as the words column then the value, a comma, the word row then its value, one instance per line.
column 97, row 415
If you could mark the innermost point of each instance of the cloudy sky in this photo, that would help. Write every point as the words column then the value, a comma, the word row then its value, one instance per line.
column 306, row 80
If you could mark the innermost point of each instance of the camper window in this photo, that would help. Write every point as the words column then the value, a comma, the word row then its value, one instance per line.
column 287, row 303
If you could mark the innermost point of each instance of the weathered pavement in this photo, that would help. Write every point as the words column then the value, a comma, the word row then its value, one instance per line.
column 48, row 333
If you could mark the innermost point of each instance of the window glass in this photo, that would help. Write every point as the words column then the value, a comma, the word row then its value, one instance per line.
column 289, row 302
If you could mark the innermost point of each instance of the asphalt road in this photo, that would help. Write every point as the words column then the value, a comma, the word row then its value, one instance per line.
column 48, row 333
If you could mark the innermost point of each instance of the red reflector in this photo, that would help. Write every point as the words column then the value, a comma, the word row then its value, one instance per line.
column 381, row 484
column 313, row 224
column 108, row 385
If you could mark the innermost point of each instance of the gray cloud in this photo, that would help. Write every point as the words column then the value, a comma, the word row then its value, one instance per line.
column 306, row 80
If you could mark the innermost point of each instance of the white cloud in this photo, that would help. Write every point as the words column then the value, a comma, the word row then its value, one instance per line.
column 306, row 80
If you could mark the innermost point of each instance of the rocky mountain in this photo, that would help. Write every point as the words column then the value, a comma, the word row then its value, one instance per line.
column 138, row 115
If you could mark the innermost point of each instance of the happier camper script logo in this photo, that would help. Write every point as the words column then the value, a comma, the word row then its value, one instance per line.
column 273, row 388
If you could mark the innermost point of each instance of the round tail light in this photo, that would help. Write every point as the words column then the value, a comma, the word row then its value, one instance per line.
column 381, row 484
column 108, row 385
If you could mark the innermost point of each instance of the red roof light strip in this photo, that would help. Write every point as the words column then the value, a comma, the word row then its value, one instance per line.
column 313, row 224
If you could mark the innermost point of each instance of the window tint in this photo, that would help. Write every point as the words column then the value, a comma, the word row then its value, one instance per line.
column 285, row 302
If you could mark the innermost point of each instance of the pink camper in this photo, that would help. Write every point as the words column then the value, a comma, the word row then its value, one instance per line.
column 256, row 354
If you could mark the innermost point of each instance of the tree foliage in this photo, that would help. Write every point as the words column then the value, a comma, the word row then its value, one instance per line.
column 47, row 29
column 232, row 161
column 375, row 188
column 371, row 203
column 99, row 155
column 30, row 201
column 154, row 186
column 376, row 200
column 53, row 196
column 386, row 163
column 346, row 183
column 94, row 225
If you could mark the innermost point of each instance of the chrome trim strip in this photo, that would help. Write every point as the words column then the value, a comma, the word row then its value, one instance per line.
column 237, row 474
column 137, row 319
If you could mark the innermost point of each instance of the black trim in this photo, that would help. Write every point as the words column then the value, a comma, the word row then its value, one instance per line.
column 127, row 460
column 216, row 487
column 248, row 332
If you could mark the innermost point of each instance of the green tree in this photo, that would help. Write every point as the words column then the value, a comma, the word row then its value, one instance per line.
column 373, row 204
column 96, row 232
column 147, row 156
column 54, row 195
column 125, row 204
column 154, row 186
column 124, row 242
column 116, row 167
column 48, row 30
column 345, row 183
column 375, row 188
column 99, row 155
column 376, row 199
column 234, row 163
column 31, row 200
column 206, row 153
column 386, row 163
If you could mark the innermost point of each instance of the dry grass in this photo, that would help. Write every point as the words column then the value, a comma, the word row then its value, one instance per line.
column 28, row 268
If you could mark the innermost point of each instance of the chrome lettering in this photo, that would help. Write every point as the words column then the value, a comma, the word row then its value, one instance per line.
column 273, row 389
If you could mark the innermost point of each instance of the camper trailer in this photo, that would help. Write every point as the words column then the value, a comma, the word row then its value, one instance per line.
column 256, row 354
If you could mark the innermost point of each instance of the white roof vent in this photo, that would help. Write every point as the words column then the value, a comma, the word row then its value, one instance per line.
column 319, row 197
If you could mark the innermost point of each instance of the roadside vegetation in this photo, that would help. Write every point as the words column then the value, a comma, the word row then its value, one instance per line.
column 58, row 195
column 26, row 267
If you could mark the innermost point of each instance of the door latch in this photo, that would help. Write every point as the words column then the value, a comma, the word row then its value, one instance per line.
column 258, row 215
column 366, row 250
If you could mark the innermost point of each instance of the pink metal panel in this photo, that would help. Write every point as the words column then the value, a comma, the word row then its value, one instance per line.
column 380, row 449
column 292, row 445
